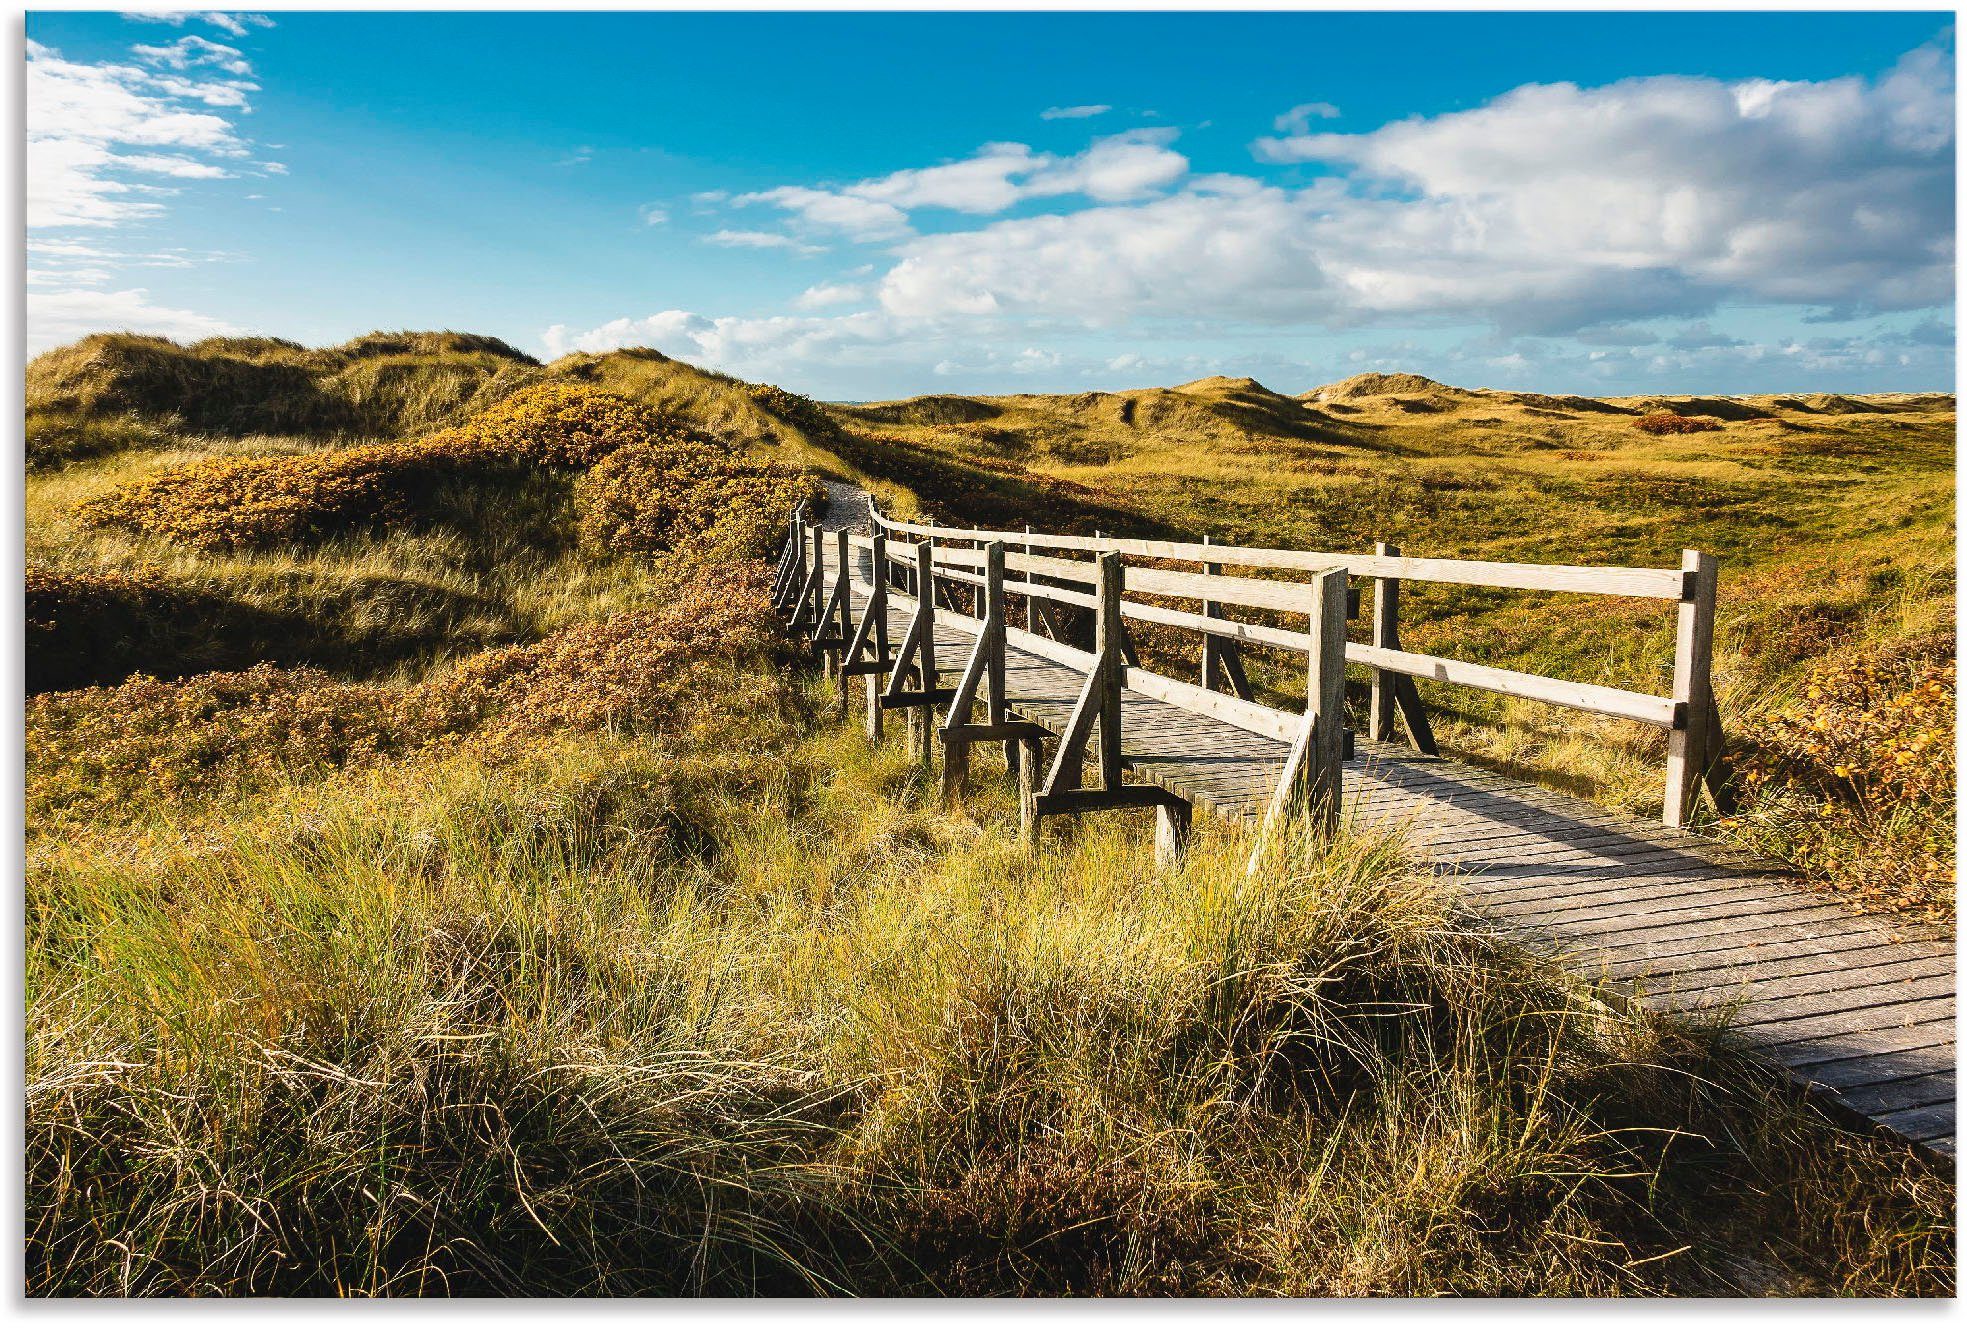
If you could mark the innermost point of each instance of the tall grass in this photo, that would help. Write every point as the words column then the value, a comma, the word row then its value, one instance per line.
column 728, row 1014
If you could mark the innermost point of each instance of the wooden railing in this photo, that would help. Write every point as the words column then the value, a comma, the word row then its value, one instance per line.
column 1049, row 577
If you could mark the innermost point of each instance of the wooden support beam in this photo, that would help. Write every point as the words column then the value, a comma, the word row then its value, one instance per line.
column 1690, row 755
column 1222, row 660
column 1172, row 824
column 1311, row 785
column 1073, row 801
column 1421, row 733
column 811, row 593
column 1107, row 637
column 848, row 632
column 916, row 698
column 1007, row 730
column 1386, row 634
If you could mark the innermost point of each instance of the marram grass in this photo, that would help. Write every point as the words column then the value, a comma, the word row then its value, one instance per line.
column 624, row 1016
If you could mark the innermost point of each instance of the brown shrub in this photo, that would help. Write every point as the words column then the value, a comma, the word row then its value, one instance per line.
column 1854, row 781
column 243, row 502
column 254, row 502
column 658, row 495
column 1665, row 421
column 103, row 750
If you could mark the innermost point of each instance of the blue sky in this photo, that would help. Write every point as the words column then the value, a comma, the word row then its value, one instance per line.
column 860, row 206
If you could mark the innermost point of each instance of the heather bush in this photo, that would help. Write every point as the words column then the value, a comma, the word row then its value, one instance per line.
column 1854, row 780
column 105, row 752
column 657, row 495
column 678, row 483
column 1665, row 422
column 247, row 502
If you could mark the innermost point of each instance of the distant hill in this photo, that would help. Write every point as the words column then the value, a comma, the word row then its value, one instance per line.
column 384, row 384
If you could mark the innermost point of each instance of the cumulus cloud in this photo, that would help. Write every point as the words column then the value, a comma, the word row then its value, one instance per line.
column 1552, row 208
column 59, row 316
column 1072, row 112
column 994, row 178
column 826, row 295
column 1298, row 119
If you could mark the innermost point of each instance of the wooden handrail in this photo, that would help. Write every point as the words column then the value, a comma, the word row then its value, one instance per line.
column 1634, row 582
column 1687, row 714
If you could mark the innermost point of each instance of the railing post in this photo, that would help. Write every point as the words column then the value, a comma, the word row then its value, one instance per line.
column 1030, row 600
column 990, row 655
column 843, row 592
column 1106, row 645
column 1690, row 752
column 921, row 719
column 878, row 606
column 1325, row 697
column 817, row 538
column 1386, row 635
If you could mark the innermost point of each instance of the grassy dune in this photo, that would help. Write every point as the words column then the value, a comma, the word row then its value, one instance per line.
column 523, row 924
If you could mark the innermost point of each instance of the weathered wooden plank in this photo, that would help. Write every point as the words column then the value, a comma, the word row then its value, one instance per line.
column 1641, row 582
column 1898, row 1095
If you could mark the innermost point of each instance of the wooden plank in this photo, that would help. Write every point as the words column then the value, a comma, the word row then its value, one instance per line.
column 1659, row 711
column 1898, row 1095
column 1640, row 582
column 1870, row 1024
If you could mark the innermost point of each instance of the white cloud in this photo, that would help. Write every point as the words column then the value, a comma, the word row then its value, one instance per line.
column 1072, row 112
column 1298, row 119
column 57, row 317
column 993, row 179
column 825, row 296
column 100, row 138
column 79, row 115
column 652, row 215
column 1590, row 236
column 194, row 52
column 1552, row 208
column 759, row 240
column 235, row 24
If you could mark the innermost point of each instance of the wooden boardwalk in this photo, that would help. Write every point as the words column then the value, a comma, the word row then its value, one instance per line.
column 1858, row 1008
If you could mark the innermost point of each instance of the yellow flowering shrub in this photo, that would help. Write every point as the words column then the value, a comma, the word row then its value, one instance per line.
column 1854, row 780
column 99, row 752
column 254, row 502
column 236, row 502
column 656, row 495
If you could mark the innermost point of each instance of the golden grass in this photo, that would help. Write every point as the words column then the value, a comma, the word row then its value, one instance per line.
column 727, row 1013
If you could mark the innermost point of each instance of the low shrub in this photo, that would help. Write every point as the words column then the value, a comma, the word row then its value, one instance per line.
column 654, row 496
column 1665, row 421
column 254, row 502
column 1854, row 781
column 103, row 752
column 676, row 483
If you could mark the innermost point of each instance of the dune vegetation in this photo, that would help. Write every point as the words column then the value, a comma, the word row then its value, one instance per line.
column 443, row 877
